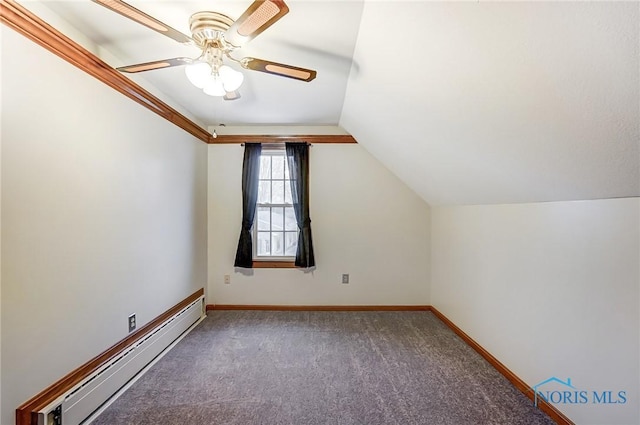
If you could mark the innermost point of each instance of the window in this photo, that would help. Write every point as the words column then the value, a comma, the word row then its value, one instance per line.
column 276, row 226
column 275, row 231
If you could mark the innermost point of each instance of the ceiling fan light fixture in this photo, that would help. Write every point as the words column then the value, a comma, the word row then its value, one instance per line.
column 214, row 87
column 199, row 74
column 226, row 80
column 217, row 36
column 231, row 79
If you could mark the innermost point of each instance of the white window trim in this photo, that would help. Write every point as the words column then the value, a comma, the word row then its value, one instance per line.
column 273, row 150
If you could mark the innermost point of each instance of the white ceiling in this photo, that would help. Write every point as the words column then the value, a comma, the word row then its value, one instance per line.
column 466, row 102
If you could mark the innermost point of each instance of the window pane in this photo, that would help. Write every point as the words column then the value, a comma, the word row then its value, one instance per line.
column 278, row 192
column 277, row 163
column 277, row 243
column 289, row 219
column 277, row 218
column 264, row 218
column 291, row 243
column 265, row 167
column 264, row 247
column 264, row 192
column 287, row 193
column 276, row 229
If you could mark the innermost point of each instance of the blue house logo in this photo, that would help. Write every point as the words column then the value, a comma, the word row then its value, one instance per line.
column 537, row 392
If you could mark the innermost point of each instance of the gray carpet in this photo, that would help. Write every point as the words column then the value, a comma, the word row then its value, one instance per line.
column 305, row 368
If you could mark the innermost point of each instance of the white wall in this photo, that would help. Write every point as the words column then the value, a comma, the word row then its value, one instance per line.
column 103, row 215
column 365, row 222
column 550, row 289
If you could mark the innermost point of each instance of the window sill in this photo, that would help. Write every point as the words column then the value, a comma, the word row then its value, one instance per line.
column 274, row 265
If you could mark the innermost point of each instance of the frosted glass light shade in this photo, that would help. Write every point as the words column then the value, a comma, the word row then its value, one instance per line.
column 231, row 79
column 201, row 76
column 214, row 87
column 198, row 73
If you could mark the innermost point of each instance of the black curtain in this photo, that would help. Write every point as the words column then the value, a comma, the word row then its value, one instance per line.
column 250, row 181
column 298, row 161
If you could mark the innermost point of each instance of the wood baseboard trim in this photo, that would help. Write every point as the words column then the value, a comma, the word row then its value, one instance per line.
column 27, row 413
column 543, row 405
column 319, row 307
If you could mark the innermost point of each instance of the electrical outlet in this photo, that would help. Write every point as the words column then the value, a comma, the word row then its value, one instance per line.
column 345, row 278
column 132, row 322
column 227, row 279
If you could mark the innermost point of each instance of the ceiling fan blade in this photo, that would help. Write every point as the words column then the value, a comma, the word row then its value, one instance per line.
column 150, row 66
column 232, row 95
column 257, row 18
column 340, row 60
column 280, row 69
column 140, row 17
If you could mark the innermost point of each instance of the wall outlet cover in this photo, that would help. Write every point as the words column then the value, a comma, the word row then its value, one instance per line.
column 132, row 322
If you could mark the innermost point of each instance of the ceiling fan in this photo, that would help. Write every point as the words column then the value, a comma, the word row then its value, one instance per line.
column 217, row 36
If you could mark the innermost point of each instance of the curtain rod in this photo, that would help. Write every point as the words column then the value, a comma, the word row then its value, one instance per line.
column 277, row 144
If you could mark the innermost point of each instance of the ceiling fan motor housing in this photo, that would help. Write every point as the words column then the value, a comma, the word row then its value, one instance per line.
column 208, row 28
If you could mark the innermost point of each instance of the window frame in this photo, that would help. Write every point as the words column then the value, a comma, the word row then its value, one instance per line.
column 273, row 261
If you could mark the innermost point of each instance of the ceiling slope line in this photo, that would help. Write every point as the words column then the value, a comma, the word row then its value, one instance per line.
column 270, row 138
column 29, row 25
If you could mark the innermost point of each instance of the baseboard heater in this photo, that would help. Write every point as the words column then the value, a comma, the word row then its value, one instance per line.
column 78, row 403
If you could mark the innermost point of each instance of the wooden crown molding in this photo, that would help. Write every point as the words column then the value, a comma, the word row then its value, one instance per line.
column 271, row 138
column 26, row 23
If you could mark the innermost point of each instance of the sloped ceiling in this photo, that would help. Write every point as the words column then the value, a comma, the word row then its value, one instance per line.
column 467, row 102
column 501, row 102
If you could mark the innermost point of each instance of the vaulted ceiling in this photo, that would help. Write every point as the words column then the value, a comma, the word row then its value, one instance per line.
column 466, row 102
